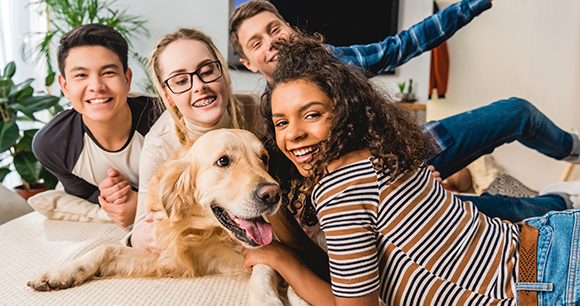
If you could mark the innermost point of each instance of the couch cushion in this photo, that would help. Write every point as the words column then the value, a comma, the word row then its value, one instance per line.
column 12, row 205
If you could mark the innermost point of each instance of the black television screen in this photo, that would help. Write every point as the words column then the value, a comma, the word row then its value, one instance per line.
column 342, row 22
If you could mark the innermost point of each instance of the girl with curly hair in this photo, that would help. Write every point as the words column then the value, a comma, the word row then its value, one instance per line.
column 393, row 232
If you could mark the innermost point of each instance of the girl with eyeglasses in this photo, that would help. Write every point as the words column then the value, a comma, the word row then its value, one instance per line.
column 192, row 79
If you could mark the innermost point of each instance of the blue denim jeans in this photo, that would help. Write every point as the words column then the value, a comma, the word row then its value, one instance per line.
column 463, row 138
column 516, row 209
column 558, row 258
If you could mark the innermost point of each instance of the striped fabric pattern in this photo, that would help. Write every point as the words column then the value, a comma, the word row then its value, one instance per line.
column 413, row 240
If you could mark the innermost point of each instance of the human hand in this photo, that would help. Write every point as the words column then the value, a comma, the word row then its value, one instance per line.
column 115, row 188
column 142, row 236
column 118, row 199
column 435, row 173
column 269, row 255
column 123, row 214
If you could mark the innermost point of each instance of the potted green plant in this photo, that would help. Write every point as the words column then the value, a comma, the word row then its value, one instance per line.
column 400, row 96
column 19, row 103
column 64, row 15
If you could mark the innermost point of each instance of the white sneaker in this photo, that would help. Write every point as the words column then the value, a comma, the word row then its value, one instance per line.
column 576, row 159
column 575, row 201
column 572, row 189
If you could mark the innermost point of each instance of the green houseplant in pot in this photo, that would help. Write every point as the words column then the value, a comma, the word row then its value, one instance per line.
column 18, row 103
column 64, row 15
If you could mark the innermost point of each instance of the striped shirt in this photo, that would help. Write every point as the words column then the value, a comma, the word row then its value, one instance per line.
column 412, row 240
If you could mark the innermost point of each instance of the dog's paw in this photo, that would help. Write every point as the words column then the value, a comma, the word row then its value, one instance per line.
column 45, row 282
column 63, row 278
column 263, row 286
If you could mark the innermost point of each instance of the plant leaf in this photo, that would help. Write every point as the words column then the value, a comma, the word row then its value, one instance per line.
column 25, row 142
column 9, row 133
column 19, row 87
column 57, row 108
column 23, row 109
column 50, row 181
column 24, row 93
column 9, row 70
column 25, row 119
column 5, row 87
column 27, row 166
column 30, row 132
column 3, row 172
column 38, row 103
column 49, row 79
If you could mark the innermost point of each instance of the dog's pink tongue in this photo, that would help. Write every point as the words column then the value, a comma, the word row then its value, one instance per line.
column 259, row 231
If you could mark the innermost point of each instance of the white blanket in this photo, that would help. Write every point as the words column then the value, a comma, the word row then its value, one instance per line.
column 32, row 243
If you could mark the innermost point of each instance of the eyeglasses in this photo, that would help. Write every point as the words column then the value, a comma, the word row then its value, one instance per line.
column 183, row 82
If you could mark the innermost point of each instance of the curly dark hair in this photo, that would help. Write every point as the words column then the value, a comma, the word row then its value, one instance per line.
column 363, row 118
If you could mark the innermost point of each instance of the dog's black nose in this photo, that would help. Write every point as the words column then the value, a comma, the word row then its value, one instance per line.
column 268, row 193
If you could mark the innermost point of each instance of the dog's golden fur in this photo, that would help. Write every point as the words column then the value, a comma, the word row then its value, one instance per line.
column 225, row 169
column 185, row 187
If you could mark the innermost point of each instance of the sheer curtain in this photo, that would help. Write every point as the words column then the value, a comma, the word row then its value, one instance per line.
column 18, row 20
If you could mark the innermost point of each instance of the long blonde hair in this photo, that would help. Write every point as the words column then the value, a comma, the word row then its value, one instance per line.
column 191, row 34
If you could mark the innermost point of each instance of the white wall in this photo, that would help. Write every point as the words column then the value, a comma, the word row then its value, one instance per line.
column 410, row 13
column 524, row 48
column 211, row 17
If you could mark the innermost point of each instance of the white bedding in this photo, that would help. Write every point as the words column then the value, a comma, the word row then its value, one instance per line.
column 32, row 243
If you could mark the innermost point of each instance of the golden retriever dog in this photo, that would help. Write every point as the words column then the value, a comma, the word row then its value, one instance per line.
column 209, row 191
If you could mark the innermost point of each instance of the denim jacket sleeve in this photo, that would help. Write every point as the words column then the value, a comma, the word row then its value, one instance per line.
column 396, row 50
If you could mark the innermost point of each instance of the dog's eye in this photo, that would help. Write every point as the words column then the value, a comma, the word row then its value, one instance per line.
column 224, row 161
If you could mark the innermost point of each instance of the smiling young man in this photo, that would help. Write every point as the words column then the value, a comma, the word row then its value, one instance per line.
column 94, row 148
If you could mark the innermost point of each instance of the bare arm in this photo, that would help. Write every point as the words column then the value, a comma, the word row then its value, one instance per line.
column 291, row 234
column 305, row 282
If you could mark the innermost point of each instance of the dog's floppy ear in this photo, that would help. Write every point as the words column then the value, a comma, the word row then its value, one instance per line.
column 176, row 188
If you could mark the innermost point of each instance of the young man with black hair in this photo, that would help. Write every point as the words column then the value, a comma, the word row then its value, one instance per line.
column 94, row 148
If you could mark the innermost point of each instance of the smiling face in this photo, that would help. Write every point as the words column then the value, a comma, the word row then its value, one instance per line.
column 256, row 35
column 204, row 104
column 300, row 113
column 95, row 84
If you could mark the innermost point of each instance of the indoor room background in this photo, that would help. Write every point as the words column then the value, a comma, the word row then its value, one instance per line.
column 524, row 48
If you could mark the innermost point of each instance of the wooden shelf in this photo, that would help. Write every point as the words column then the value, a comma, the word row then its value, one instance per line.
column 414, row 106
